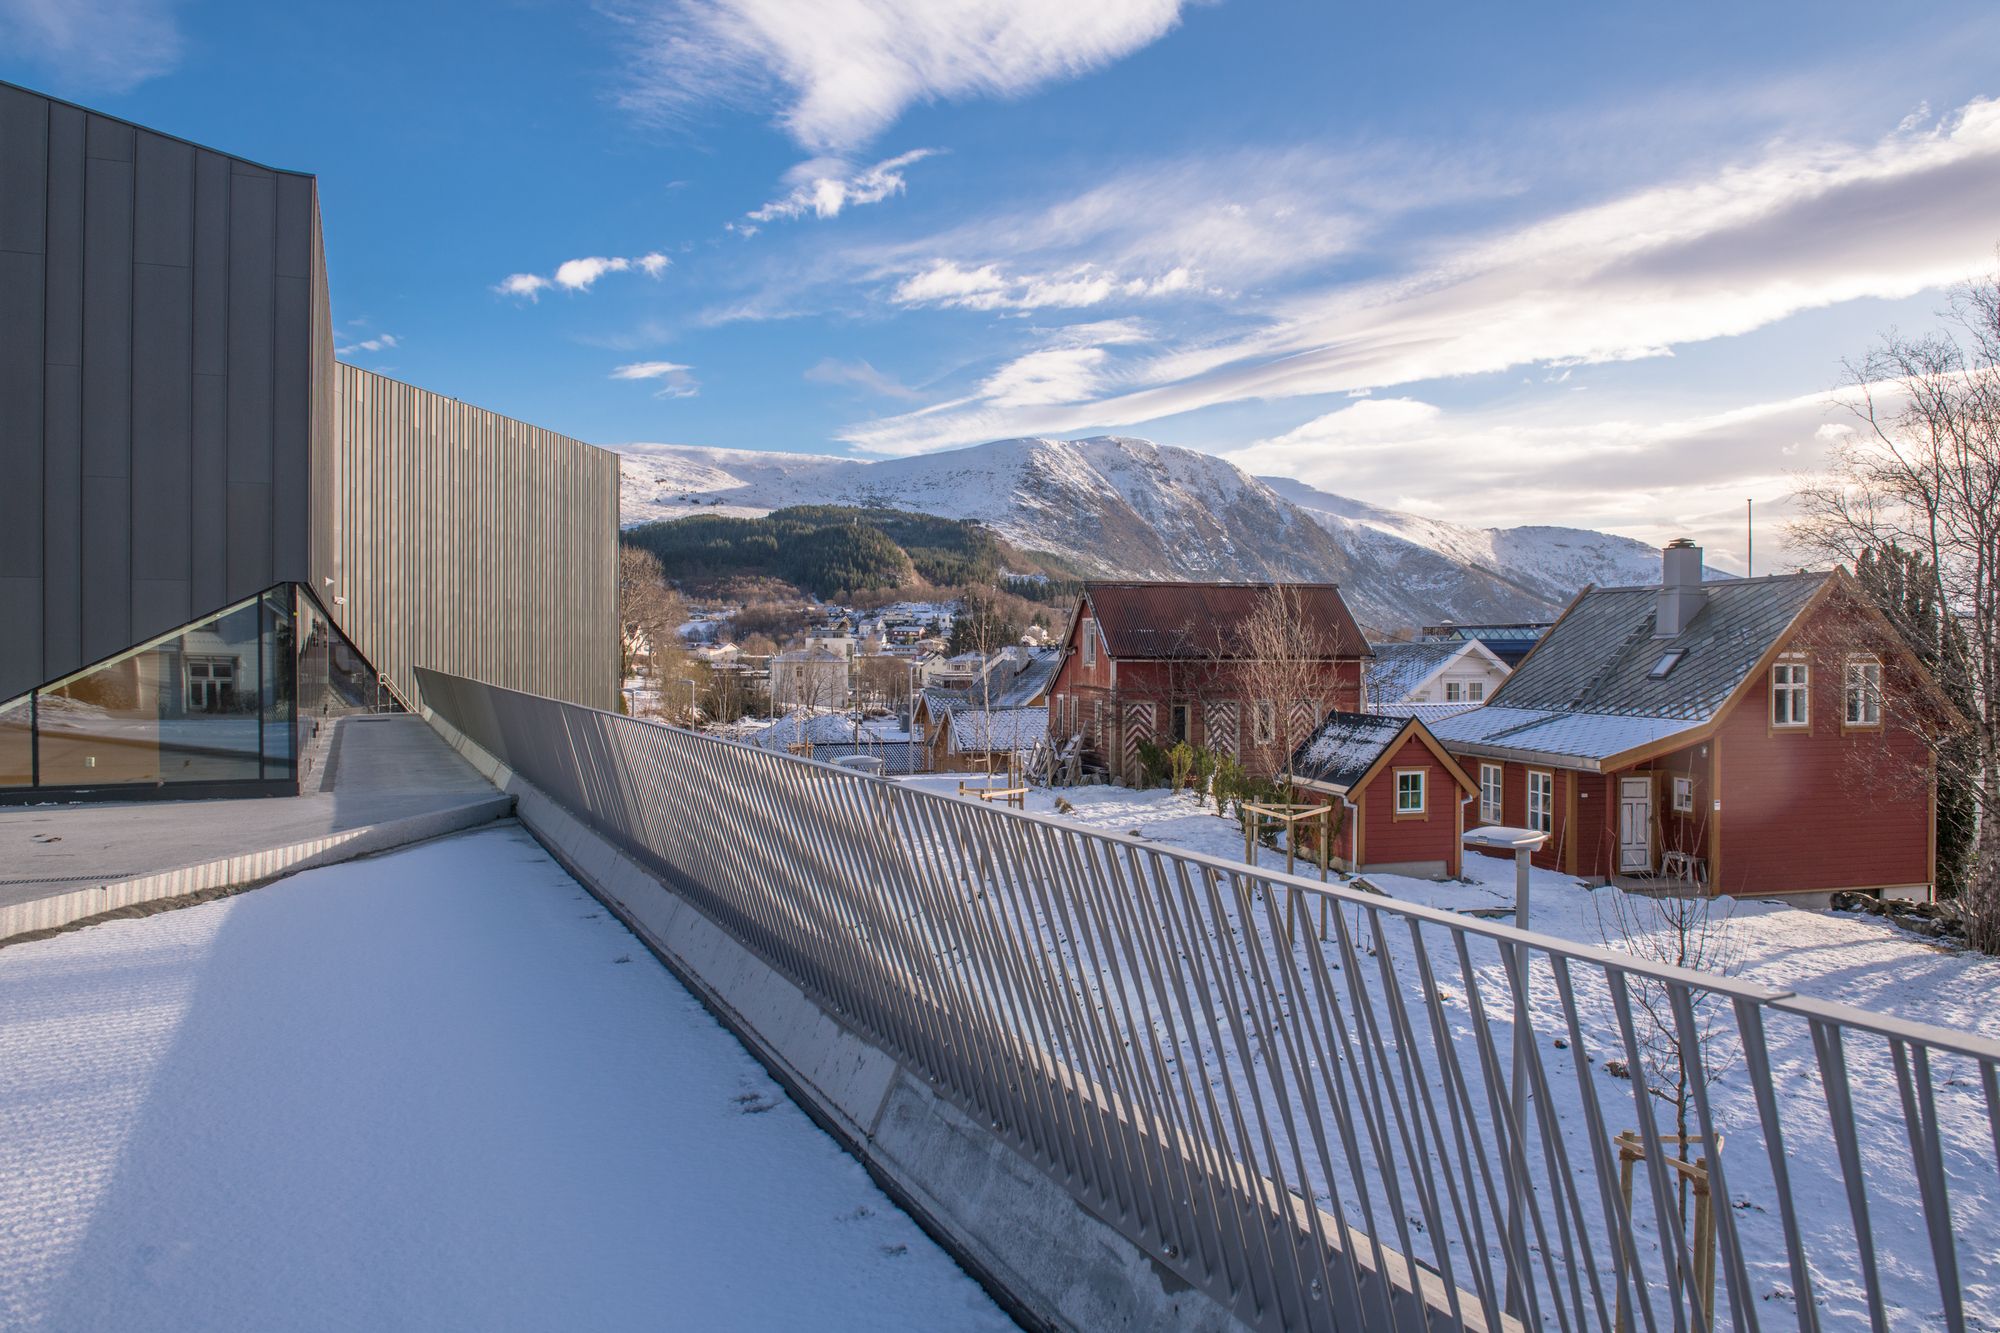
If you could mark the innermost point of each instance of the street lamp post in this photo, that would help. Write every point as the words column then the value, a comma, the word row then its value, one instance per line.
column 689, row 682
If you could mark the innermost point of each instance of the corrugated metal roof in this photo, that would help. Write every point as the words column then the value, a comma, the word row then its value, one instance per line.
column 1426, row 713
column 975, row 730
column 1597, row 660
column 1015, row 683
column 1205, row 620
column 1345, row 747
column 1399, row 668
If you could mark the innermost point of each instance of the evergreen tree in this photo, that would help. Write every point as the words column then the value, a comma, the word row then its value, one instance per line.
column 1903, row 587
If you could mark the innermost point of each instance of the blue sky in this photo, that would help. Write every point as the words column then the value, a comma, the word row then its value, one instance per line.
column 1499, row 264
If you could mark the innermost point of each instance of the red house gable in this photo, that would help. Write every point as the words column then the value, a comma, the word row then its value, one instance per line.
column 1160, row 662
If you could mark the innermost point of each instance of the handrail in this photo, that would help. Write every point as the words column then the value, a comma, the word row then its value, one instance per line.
column 1321, row 1133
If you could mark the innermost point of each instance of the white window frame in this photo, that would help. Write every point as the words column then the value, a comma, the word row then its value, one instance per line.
column 1791, row 681
column 1683, row 796
column 1476, row 691
column 1263, row 722
column 1180, row 722
column 1542, row 819
column 1089, row 642
column 1422, row 789
column 1454, row 691
column 1864, row 687
column 1492, row 793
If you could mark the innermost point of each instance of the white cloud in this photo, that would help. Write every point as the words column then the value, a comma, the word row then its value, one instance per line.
column 861, row 374
column 1053, row 375
column 381, row 342
column 825, row 186
column 1798, row 227
column 108, row 45
column 675, row 379
column 844, row 70
column 579, row 275
column 944, row 283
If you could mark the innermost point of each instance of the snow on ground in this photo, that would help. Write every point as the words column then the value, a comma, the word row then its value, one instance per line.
column 437, row 1089
column 1859, row 960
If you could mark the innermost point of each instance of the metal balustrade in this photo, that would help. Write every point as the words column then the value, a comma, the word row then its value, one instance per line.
column 1324, row 1133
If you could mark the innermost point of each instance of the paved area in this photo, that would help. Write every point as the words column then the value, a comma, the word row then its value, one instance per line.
column 377, row 767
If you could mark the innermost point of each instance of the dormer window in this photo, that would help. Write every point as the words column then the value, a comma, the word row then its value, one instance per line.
column 1791, row 704
column 1668, row 661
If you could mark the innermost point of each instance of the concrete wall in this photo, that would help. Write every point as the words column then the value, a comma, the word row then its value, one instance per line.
column 162, row 312
column 471, row 543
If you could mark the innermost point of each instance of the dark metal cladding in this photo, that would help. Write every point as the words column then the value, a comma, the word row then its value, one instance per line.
column 175, row 436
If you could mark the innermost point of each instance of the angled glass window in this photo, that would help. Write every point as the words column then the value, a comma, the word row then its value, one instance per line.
column 17, row 742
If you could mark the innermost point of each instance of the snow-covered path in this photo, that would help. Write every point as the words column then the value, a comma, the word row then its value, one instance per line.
column 439, row 1089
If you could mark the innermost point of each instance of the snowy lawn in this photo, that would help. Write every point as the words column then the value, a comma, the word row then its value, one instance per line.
column 1859, row 960
column 438, row 1089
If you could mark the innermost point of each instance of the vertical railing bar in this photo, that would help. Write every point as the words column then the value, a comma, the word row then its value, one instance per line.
column 1627, row 1270
column 1920, row 1121
column 1736, row 1275
column 1671, row 1235
column 1828, row 1046
column 1757, row 1063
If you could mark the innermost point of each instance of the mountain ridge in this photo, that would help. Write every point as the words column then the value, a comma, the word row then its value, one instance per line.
column 1121, row 507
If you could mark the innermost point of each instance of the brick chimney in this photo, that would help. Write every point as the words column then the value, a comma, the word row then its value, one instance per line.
column 1681, row 595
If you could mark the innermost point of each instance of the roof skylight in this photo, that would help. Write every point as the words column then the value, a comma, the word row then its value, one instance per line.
column 1668, row 661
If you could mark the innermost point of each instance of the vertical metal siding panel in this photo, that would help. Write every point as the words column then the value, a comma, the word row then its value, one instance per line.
column 292, row 407
column 208, row 481
column 105, row 527
column 162, row 385
column 24, row 192
column 252, row 331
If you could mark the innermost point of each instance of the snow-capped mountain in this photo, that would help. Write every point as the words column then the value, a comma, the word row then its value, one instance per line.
column 1120, row 507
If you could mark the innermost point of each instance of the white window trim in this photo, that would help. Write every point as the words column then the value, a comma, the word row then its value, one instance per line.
column 1684, row 796
column 1494, row 812
column 1802, row 688
column 1870, row 693
column 1476, row 691
column 1454, row 691
column 1263, row 722
column 1089, row 640
column 1548, row 813
column 1423, row 804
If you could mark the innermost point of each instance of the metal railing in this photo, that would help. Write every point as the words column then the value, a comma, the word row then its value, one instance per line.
column 1325, row 1133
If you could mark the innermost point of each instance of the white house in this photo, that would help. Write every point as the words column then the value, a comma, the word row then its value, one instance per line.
column 1432, row 677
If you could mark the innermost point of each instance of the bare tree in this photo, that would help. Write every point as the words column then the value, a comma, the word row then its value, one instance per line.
column 1692, row 931
column 649, row 612
column 1283, row 665
column 1923, row 474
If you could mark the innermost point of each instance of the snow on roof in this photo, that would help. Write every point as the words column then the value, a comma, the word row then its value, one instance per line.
column 1500, row 731
column 827, row 729
column 1345, row 747
column 1018, row 679
column 1427, row 713
column 1399, row 668
column 975, row 730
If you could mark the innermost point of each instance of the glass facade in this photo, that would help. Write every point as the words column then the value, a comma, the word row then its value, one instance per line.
column 230, row 699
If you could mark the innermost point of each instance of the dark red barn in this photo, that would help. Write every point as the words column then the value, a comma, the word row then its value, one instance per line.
column 1171, row 661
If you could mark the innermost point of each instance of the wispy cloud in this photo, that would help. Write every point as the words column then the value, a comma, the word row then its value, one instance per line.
column 381, row 342
column 861, row 375
column 844, row 70
column 1795, row 228
column 107, row 45
column 944, row 283
column 675, row 380
column 579, row 275
column 824, row 187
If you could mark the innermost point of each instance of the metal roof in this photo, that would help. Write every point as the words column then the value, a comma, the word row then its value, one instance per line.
column 1205, row 620
column 1551, row 734
column 976, row 730
column 1399, row 668
column 1345, row 747
column 1600, row 656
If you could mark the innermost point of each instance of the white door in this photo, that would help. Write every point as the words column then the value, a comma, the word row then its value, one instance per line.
column 1635, row 824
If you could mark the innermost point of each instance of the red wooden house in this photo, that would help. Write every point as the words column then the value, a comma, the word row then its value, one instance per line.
column 1750, row 736
column 1399, row 798
column 1162, row 662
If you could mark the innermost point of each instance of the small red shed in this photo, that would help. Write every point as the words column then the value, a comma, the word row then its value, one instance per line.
column 1400, row 797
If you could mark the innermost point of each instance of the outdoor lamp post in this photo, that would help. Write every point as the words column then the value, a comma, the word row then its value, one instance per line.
column 689, row 682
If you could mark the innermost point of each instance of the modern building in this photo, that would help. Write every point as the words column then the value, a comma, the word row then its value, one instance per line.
column 213, row 534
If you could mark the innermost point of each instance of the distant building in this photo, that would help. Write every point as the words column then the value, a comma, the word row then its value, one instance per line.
column 1163, row 662
column 810, row 678
column 1432, row 678
column 1510, row 643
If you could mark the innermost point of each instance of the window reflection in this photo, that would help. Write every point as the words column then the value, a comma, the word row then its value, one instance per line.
column 17, row 743
column 182, row 709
